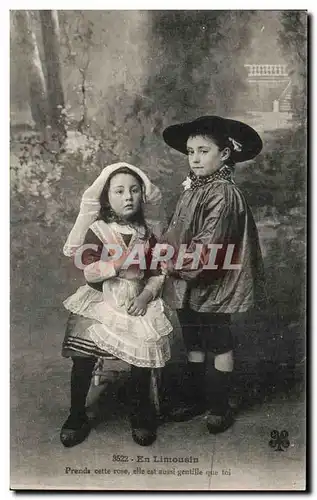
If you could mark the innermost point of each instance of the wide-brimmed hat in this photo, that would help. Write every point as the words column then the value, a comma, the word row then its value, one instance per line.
column 245, row 142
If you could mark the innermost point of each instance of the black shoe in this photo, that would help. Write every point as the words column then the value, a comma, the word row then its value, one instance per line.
column 75, row 430
column 143, row 424
column 143, row 437
column 220, row 423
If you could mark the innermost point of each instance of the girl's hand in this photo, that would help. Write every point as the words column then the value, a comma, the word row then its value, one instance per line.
column 138, row 306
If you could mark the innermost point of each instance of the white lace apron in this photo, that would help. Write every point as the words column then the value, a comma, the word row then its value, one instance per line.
column 139, row 340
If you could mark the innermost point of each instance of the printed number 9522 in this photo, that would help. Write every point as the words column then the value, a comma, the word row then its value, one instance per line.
column 119, row 458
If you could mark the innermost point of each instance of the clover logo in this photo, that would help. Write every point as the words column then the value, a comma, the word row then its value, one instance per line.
column 279, row 440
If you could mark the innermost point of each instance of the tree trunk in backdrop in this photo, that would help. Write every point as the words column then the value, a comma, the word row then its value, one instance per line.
column 33, row 68
column 196, row 66
column 51, row 45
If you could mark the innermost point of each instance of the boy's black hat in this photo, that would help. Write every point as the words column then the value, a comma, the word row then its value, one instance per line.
column 245, row 142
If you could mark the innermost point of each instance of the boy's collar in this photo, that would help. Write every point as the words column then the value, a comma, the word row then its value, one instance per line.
column 193, row 182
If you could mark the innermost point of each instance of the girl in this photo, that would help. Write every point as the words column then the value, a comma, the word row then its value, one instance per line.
column 118, row 312
column 212, row 211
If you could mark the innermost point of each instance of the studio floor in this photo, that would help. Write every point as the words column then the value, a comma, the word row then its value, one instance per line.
column 184, row 457
column 187, row 456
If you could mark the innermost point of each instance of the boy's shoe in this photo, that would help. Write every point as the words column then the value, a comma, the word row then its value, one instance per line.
column 220, row 423
column 75, row 430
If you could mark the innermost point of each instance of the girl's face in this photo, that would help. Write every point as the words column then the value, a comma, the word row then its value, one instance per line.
column 204, row 155
column 125, row 195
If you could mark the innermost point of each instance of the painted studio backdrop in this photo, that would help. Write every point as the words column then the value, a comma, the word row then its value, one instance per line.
column 89, row 88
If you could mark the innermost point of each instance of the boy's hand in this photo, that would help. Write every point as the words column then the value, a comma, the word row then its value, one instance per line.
column 138, row 306
column 167, row 266
column 131, row 273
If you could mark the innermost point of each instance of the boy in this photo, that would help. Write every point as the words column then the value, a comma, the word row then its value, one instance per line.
column 212, row 215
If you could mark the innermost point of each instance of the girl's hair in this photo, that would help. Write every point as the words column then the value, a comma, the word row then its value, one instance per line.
column 107, row 214
column 222, row 143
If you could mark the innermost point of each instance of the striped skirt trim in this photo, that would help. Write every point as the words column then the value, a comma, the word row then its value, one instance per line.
column 75, row 345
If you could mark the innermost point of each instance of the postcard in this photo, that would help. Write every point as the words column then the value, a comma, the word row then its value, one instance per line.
column 158, row 187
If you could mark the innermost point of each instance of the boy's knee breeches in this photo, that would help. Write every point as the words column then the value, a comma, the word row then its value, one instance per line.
column 207, row 332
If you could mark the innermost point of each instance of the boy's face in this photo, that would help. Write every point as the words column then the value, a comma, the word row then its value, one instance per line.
column 125, row 195
column 204, row 155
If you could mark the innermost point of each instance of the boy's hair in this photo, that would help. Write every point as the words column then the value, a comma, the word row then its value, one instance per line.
column 221, row 142
column 107, row 214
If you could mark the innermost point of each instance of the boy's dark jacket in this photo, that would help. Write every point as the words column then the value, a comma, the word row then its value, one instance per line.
column 216, row 213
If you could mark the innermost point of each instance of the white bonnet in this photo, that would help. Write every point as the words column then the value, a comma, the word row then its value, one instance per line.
column 90, row 205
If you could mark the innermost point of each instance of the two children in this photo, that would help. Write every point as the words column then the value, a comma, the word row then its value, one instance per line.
column 119, row 311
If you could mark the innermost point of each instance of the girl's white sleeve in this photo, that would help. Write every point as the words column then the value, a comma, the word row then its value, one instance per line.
column 96, row 269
